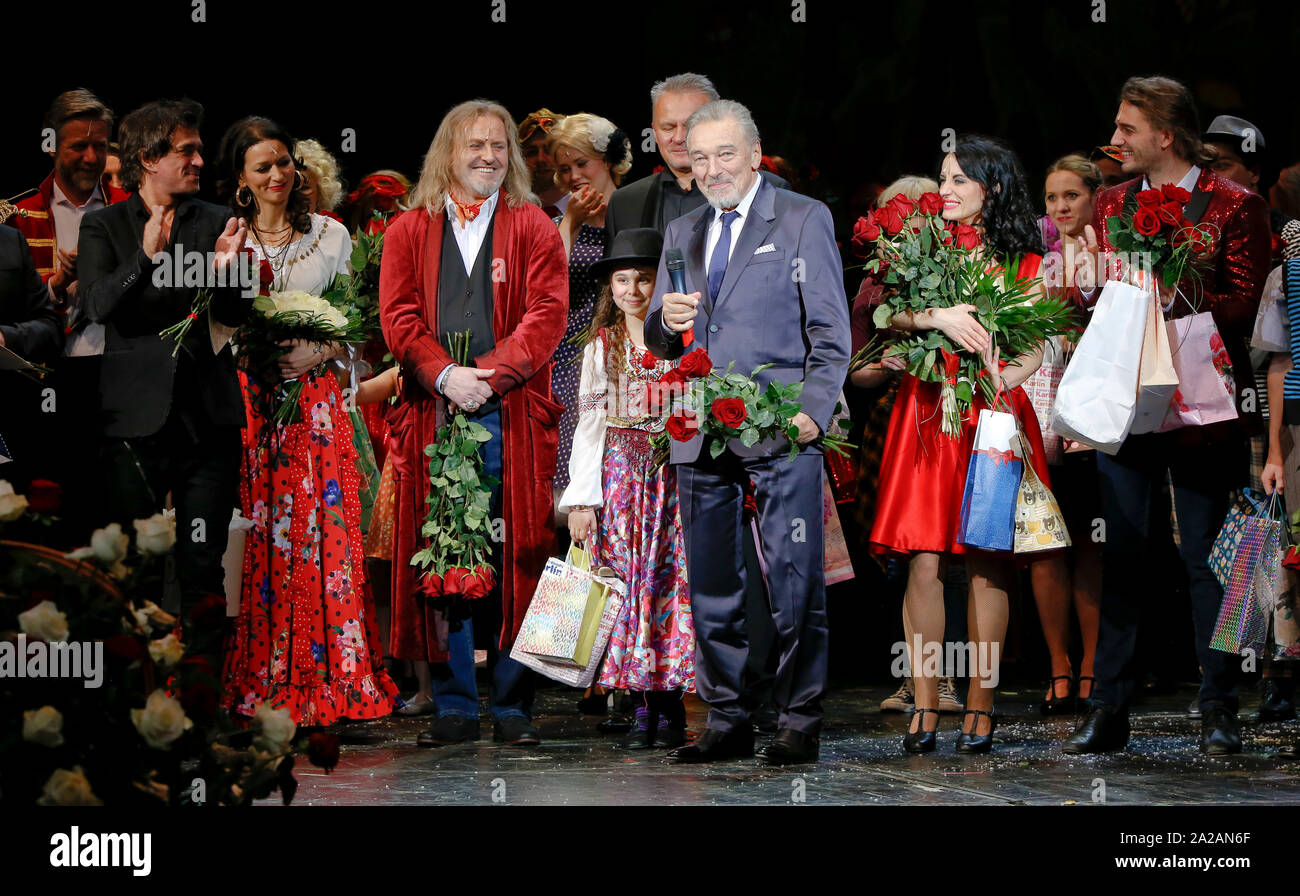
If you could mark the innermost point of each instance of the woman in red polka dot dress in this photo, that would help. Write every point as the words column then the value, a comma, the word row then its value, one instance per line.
column 305, row 637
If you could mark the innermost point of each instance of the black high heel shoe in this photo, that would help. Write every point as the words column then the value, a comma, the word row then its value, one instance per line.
column 1054, row 705
column 1084, row 702
column 920, row 740
column 972, row 742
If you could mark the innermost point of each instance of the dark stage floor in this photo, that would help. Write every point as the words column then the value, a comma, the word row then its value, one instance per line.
column 862, row 763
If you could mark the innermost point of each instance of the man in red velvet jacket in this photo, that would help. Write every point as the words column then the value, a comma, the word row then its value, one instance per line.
column 1158, row 132
column 475, row 254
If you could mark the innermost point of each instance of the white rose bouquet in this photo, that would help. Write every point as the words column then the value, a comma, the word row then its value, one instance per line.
column 289, row 315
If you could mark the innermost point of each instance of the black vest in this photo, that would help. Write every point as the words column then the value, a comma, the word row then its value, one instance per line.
column 465, row 300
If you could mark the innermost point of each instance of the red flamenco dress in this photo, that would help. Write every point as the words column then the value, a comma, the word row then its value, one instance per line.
column 923, row 471
column 306, row 636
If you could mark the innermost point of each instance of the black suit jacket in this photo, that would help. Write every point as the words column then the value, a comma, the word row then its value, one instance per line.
column 640, row 203
column 30, row 324
column 117, row 284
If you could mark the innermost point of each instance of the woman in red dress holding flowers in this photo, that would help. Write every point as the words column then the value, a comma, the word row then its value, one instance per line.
column 923, row 472
column 305, row 637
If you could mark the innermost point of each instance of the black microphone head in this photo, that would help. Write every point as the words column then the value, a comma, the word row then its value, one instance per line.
column 674, row 260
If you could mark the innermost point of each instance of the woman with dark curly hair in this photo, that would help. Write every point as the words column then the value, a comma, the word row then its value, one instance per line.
column 305, row 637
column 923, row 471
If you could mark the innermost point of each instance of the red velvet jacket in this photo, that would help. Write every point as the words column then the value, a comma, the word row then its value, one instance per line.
column 530, row 304
column 37, row 223
column 1231, row 283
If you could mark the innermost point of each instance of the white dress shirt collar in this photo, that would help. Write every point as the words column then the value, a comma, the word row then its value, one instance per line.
column 1188, row 182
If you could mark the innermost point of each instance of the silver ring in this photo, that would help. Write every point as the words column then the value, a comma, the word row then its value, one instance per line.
column 471, row 405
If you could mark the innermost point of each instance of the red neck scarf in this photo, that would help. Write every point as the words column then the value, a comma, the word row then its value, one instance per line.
column 467, row 211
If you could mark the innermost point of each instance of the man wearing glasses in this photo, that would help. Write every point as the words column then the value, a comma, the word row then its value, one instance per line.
column 172, row 422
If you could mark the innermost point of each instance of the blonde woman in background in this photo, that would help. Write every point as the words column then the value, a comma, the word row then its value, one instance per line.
column 324, row 183
column 591, row 156
column 1068, row 194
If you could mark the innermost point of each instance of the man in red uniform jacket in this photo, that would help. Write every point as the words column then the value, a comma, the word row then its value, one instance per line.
column 475, row 254
column 1158, row 132
column 79, row 125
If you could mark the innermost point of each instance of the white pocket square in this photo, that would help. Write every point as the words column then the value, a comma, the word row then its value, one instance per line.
column 763, row 250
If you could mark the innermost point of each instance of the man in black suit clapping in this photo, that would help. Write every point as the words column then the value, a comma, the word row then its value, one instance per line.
column 171, row 422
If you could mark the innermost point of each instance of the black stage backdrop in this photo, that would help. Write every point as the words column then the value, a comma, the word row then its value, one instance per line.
column 860, row 93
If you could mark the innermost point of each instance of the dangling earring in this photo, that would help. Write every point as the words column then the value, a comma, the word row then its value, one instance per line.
column 243, row 197
column 299, row 184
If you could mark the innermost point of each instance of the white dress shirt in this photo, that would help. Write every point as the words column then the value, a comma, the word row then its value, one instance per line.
column 715, row 227
column 89, row 339
column 470, row 237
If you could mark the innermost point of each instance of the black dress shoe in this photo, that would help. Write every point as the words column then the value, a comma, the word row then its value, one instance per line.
column 449, row 729
column 1275, row 700
column 791, row 747
column 716, row 746
column 920, row 740
column 1220, row 735
column 1102, row 730
column 970, row 742
column 515, row 731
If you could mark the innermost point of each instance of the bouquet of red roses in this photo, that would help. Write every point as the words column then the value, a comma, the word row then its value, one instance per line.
column 1154, row 228
column 728, row 406
column 457, row 562
column 925, row 262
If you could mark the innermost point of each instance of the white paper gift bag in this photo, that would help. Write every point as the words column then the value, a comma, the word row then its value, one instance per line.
column 1097, row 399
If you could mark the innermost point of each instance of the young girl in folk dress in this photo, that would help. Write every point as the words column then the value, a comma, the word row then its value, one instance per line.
column 923, row 471
column 624, row 506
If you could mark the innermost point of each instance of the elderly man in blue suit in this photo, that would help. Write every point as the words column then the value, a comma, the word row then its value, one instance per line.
column 767, row 289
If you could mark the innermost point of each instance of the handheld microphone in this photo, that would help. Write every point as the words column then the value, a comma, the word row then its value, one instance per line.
column 676, row 264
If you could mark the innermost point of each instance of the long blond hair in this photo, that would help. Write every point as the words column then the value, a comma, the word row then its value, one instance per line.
column 436, row 176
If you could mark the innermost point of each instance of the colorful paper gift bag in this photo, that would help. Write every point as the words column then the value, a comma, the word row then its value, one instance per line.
column 1248, row 596
column 988, row 506
column 1248, row 504
column 1039, row 523
column 1207, row 392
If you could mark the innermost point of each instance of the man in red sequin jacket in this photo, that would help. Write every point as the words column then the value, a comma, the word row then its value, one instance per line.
column 1158, row 131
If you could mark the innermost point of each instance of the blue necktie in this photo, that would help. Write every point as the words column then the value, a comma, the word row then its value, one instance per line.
column 718, row 262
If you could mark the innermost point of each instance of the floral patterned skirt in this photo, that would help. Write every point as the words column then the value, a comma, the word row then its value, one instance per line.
column 652, row 646
column 305, row 637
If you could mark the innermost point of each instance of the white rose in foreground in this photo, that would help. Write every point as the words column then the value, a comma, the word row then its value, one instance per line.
column 154, row 616
column 12, row 505
column 44, row 621
column 107, row 548
column 166, row 651
column 277, row 727
column 68, row 788
column 43, row 726
column 161, row 721
column 155, row 535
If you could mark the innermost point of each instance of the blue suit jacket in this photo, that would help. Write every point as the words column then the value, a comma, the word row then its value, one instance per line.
column 785, row 306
